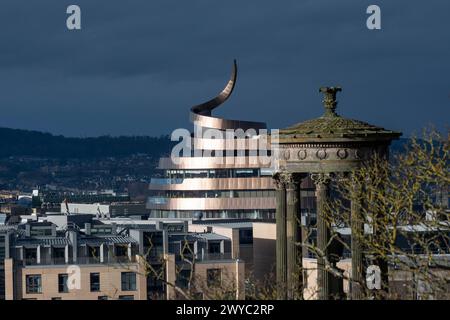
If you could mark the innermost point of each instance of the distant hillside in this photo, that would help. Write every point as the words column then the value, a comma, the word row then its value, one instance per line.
column 16, row 142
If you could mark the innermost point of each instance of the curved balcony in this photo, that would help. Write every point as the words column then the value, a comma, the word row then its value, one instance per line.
column 192, row 184
column 198, row 163
column 161, row 203
column 231, row 144
column 223, row 124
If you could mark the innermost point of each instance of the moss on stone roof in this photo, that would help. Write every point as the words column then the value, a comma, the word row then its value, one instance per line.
column 332, row 125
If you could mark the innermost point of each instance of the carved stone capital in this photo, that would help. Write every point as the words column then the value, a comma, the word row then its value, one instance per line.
column 341, row 176
column 277, row 181
column 287, row 180
column 321, row 179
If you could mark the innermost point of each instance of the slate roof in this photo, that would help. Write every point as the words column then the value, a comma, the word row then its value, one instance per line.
column 47, row 241
column 106, row 240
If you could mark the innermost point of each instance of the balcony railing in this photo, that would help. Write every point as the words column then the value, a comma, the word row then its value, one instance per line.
column 203, row 257
column 79, row 260
column 157, row 200
column 57, row 260
column 213, row 256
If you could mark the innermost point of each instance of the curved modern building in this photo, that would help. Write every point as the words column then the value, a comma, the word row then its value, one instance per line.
column 222, row 175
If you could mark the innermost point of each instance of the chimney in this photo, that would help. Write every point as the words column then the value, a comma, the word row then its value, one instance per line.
column 28, row 230
column 87, row 229
column 114, row 228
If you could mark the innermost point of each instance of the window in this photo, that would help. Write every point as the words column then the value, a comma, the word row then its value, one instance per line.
column 245, row 236
column 59, row 255
column 40, row 232
column 102, row 298
column 94, row 252
column 213, row 277
column 33, row 283
column 128, row 281
column 31, row 255
column 126, row 297
column 100, row 230
column 62, row 282
column 214, row 247
column 154, row 283
column 121, row 251
column 183, row 277
column 56, row 298
column 95, row 282
column 187, row 248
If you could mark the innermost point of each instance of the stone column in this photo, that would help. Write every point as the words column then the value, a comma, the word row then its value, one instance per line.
column 102, row 253
column 38, row 254
column 357, row 228
column 281, row 254
column 130, row 252
column 66, row 254
column 22, row 253
column 323, row 236
column 293, row 238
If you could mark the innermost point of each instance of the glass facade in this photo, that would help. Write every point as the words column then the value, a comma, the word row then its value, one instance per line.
column 266, row 214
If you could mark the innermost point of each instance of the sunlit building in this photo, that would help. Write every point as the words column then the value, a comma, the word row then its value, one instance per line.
column 82, row 258
column 198, row 185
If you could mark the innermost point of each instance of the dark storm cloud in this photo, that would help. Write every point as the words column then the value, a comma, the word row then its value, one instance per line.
column 137, row 66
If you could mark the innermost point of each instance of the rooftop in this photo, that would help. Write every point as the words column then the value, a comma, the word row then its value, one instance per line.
column 209, row 236
column 106, row 240
column 333, row 126
column 42, row 241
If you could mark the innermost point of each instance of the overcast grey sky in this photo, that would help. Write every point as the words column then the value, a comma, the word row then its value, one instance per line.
column 137, row 66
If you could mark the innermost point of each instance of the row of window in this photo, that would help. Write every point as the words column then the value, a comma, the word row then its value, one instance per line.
column 213, row 278
column 216, row 173
column 34, row 282
column 222, row 214
column 216, row 194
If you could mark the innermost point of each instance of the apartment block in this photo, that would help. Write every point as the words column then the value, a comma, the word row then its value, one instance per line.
column 80, row 258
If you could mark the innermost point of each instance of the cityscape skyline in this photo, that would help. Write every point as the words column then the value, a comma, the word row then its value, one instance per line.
column 136, row 69
column 324, row 177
